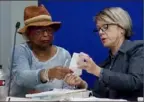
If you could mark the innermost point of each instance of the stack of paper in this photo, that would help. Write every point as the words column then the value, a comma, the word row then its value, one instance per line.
column 59, row 94
column 73, row 64
column 95, row 99
column 21, row 99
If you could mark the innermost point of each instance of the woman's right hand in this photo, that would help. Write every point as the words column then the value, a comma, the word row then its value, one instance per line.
column 58, row 72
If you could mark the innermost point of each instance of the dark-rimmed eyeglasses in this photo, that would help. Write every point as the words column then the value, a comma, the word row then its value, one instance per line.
column 105, row 27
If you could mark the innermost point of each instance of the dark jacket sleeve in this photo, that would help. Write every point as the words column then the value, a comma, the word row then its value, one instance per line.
column 127, row 82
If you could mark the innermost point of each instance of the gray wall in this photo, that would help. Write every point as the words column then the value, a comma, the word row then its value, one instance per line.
column 10, row 13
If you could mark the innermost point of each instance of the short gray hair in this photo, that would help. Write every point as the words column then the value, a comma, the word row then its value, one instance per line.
column 118, row 16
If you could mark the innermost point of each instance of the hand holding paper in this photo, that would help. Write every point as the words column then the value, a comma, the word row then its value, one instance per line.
column 73, row 64
column 87, row 63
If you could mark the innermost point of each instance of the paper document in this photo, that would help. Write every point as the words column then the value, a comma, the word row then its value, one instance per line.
column 56, row 92
column 59, row 94
column 96, row 99
column 21, row 99
column 73, row 64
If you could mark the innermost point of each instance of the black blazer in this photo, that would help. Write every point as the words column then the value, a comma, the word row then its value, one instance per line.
column 122, row 74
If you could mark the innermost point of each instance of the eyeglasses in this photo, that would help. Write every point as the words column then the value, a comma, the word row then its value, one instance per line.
column 105, row 27
column 43, row 30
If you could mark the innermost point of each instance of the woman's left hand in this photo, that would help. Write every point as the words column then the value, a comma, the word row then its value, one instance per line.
column 74, row 80
column 85, row 62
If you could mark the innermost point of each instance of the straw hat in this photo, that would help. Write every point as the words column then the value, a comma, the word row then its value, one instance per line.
column 38, row 16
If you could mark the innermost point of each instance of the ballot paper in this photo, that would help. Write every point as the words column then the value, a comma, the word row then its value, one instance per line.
column 22, row 99
column 73, row 64
column 60, row 94
column 96, row 99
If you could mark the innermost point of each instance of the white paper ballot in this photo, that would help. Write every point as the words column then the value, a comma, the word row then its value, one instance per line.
column 12, row 99
column 59, row 94
column 73, row 64
column 96, row 99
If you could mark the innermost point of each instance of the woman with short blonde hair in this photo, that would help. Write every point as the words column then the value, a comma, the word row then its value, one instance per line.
column 121, row 74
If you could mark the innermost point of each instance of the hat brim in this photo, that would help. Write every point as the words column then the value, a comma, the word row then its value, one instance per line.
column 54, row 25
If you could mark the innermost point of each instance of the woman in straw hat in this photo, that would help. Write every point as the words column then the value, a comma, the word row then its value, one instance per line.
column 39, row 65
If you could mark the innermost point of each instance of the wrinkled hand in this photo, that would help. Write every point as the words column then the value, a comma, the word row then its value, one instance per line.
column 86, row 63
column 59, row 72
column 74, row 80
